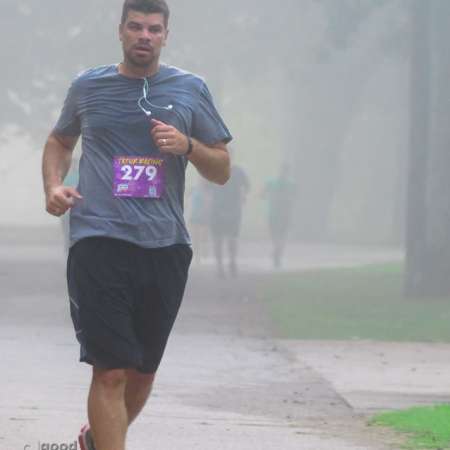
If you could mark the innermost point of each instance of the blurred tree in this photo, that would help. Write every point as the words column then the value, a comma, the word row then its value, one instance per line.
column 428, row 221
column 419, row 141
column 359, row 37
column 47, row 45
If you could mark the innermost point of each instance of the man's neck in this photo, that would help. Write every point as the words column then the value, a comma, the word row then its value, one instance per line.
column 131, row 71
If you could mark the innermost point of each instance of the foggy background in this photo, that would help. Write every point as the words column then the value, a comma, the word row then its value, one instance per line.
column 353, row 97
column 323, row 85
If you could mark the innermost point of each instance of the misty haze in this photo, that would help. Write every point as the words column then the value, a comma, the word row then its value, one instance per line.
column 319, row 288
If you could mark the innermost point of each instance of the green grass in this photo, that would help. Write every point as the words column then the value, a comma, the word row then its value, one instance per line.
column 427, row 427
column 356, row 303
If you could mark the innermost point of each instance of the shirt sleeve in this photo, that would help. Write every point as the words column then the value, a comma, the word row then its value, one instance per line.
column 69, row 123
column 207, row 125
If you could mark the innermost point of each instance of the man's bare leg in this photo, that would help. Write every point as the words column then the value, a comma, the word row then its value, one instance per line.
column 108, row 417
column 138, row 389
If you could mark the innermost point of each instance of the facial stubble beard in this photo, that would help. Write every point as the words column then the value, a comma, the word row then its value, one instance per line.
column 135, row 63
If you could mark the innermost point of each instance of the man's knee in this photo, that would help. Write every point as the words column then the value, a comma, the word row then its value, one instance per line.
column 110, row 379
column 139, row 379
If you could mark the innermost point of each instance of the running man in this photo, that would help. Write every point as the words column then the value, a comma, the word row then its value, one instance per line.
column 226, row 217
column 280, row 195
column 141, row 122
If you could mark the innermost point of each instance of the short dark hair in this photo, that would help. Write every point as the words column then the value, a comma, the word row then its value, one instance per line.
column 146, row 7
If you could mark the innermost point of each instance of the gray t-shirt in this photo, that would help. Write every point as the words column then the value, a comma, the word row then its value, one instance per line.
column 102, row 106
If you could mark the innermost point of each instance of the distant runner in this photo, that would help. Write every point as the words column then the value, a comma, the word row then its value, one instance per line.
column 279, row 193
column 226, row 217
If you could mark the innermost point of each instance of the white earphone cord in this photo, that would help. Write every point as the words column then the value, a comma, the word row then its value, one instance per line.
column 146, row 94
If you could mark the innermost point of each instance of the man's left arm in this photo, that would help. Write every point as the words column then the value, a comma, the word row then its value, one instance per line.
column 212, row 161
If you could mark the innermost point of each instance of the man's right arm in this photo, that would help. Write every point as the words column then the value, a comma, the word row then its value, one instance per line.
column 56, row 162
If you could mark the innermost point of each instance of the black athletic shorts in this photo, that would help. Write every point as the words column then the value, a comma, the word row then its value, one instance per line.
column 124, row 300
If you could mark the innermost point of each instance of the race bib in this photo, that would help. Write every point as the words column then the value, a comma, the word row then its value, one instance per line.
column 138, row 177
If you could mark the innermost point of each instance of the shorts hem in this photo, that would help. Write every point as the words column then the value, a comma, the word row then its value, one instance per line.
column 117, row 366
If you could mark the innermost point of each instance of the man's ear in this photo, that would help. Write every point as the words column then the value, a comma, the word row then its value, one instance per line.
column 120, row 32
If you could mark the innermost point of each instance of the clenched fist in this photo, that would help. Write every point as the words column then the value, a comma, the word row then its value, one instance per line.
column 168, row 139
column 61, row 198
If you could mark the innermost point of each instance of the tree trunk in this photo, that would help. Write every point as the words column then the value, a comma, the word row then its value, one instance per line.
column 428, row 221
column 438, row 198
column 419, row 141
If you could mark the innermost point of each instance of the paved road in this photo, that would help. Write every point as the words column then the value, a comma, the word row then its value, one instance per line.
column 224, row 382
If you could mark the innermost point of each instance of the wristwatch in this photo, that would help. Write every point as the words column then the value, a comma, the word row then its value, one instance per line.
column 190, row 147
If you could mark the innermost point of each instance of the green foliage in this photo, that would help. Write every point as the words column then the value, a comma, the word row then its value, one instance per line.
column 428, row 427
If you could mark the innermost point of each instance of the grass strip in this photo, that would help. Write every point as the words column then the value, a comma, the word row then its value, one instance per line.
column 352, row 303
column 427, row 427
